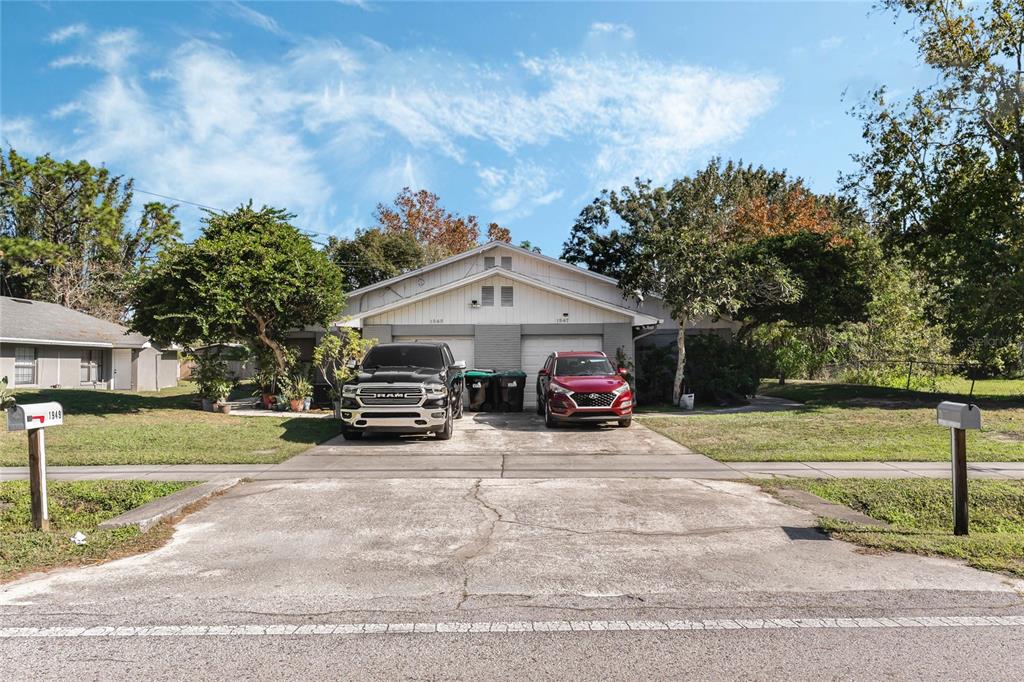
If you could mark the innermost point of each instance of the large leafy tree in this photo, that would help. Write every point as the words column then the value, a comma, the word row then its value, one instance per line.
column 943, row 175
column 251, row 277
column 374, row 255
column 420, row 214
column 682, row 243
column 65, row 238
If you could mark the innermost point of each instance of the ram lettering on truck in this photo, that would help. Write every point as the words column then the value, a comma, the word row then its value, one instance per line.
column 404, row 388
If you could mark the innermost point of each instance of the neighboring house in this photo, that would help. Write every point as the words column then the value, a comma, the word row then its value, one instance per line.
column 502, row 307
column 47, row 345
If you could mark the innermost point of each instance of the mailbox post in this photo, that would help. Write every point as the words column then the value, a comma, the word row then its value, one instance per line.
column 35, row 419
column 959, row 417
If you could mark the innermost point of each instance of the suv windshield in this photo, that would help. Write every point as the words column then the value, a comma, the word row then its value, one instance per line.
column 583, row 367
column 404, row 356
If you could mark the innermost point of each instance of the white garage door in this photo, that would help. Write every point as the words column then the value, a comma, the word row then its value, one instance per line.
column 536, row 350
column 462, row 346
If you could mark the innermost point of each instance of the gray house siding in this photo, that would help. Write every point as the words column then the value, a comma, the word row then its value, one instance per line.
column 498, row 346
column 618, row 336
column 55, row 365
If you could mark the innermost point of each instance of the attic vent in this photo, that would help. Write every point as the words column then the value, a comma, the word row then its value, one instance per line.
column 506, row 262
column 488, row 262
column 506, row 297
column 487, row 295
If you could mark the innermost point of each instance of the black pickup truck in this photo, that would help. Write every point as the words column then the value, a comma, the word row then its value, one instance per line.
column 404, row 388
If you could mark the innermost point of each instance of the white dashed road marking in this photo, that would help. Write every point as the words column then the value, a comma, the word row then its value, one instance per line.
column 512, row 627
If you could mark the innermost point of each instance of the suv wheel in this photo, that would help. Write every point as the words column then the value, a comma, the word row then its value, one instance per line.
column 624, row 423
column 540, row 404
column 549, row 421
column 449, row 427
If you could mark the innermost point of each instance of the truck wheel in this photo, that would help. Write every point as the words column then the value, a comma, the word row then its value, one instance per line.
column 624, row 423
column 460, row 409
column 351, row 434
column 449, row 427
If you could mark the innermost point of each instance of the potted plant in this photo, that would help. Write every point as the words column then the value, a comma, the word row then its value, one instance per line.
column 220, row 391
column 298, row 390
column 336, row 357
column 264, row 378
column 212, row 381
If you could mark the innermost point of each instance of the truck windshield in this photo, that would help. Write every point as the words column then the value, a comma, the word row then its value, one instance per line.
column 583, row 367
column 404, row 356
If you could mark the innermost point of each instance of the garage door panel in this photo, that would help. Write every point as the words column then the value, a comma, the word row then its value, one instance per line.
column 536, row 349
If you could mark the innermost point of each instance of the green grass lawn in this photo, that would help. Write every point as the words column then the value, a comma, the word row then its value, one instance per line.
column 74, row 506
column 847, row 423
column 920, row 513
column 106, row 427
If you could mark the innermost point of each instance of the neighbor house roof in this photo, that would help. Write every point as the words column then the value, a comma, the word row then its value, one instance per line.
column 639, row 318
column 41, row 323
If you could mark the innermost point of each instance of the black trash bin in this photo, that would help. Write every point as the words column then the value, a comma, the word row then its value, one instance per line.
column 511, row 385
column 478, row 384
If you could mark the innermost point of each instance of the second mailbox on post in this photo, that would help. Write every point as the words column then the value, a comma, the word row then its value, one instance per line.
column 959, row 415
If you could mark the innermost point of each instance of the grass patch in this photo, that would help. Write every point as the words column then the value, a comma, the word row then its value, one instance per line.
column 985, row 391
column 839, row 422
column 920, row 512
column 105, row 427
column 75, row 506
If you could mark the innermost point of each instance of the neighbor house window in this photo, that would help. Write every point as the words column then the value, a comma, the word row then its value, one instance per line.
column 488, row 262
column 24, row 366
column 487, row 296
column 91, row 368
column 506, row 297
column 506, row 262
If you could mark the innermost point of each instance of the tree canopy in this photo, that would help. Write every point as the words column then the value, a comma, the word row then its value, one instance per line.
column 943, row 176
column 250, row 277
column 64, row 234
column 373, row 255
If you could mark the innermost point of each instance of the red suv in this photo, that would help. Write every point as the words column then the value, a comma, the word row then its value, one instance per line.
column 583, row 387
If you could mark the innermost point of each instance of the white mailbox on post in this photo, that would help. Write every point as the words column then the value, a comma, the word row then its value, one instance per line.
column 34, row 416
column 959, row 415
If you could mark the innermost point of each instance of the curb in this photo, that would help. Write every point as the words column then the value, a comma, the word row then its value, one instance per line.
column 152, row 513
column 808, row 501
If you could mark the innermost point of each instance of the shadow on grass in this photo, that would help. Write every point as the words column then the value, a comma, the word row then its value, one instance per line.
column 858, row 396
column 103, row 402
column 308, row 431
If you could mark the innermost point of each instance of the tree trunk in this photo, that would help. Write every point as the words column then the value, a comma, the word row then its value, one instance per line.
column 677, row 388
column 279, row 356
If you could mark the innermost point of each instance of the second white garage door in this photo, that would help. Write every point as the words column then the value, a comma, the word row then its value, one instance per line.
column 536, row 350
column 462, row 346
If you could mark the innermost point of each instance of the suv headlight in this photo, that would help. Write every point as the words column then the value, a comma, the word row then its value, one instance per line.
column 348, row 391
column 621, row 389
column 436, row 390
column 558, row 388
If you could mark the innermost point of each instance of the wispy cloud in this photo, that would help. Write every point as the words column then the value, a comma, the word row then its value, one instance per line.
column 623, row 31
column 256, row 18
column 62, row 34
column 221, row 129
column 361, row 4
column 830, row 43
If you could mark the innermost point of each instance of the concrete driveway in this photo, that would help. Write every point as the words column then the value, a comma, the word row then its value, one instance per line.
column 629, row 557
column 509, row 445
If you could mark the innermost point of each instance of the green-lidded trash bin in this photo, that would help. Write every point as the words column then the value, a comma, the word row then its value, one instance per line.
column 478, row 383
column 511, row 388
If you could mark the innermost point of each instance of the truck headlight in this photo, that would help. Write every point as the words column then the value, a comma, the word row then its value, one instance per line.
column 436, row 390
column 348, row 391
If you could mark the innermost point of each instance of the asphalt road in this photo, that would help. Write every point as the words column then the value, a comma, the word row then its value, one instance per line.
column 328, row 554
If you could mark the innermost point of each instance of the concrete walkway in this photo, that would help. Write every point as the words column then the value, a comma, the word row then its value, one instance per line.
column 520, row 465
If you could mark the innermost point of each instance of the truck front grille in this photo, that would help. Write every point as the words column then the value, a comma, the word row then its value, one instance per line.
column 390, row 395
column 594, row 399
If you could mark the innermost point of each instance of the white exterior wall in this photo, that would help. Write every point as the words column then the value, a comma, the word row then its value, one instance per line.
column 570, row 278
column 531, row 305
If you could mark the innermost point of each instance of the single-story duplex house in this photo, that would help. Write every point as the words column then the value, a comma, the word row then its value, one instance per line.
column 47, row 345
column 503, row 307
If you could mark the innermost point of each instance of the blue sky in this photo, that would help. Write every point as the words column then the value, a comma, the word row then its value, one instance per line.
column 518, row 113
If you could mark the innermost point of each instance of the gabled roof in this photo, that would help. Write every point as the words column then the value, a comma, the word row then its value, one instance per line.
column 639, row 319
column 476, row 251
column 41, row 323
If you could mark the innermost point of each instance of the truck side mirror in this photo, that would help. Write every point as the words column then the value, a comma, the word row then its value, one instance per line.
column 460, row 364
